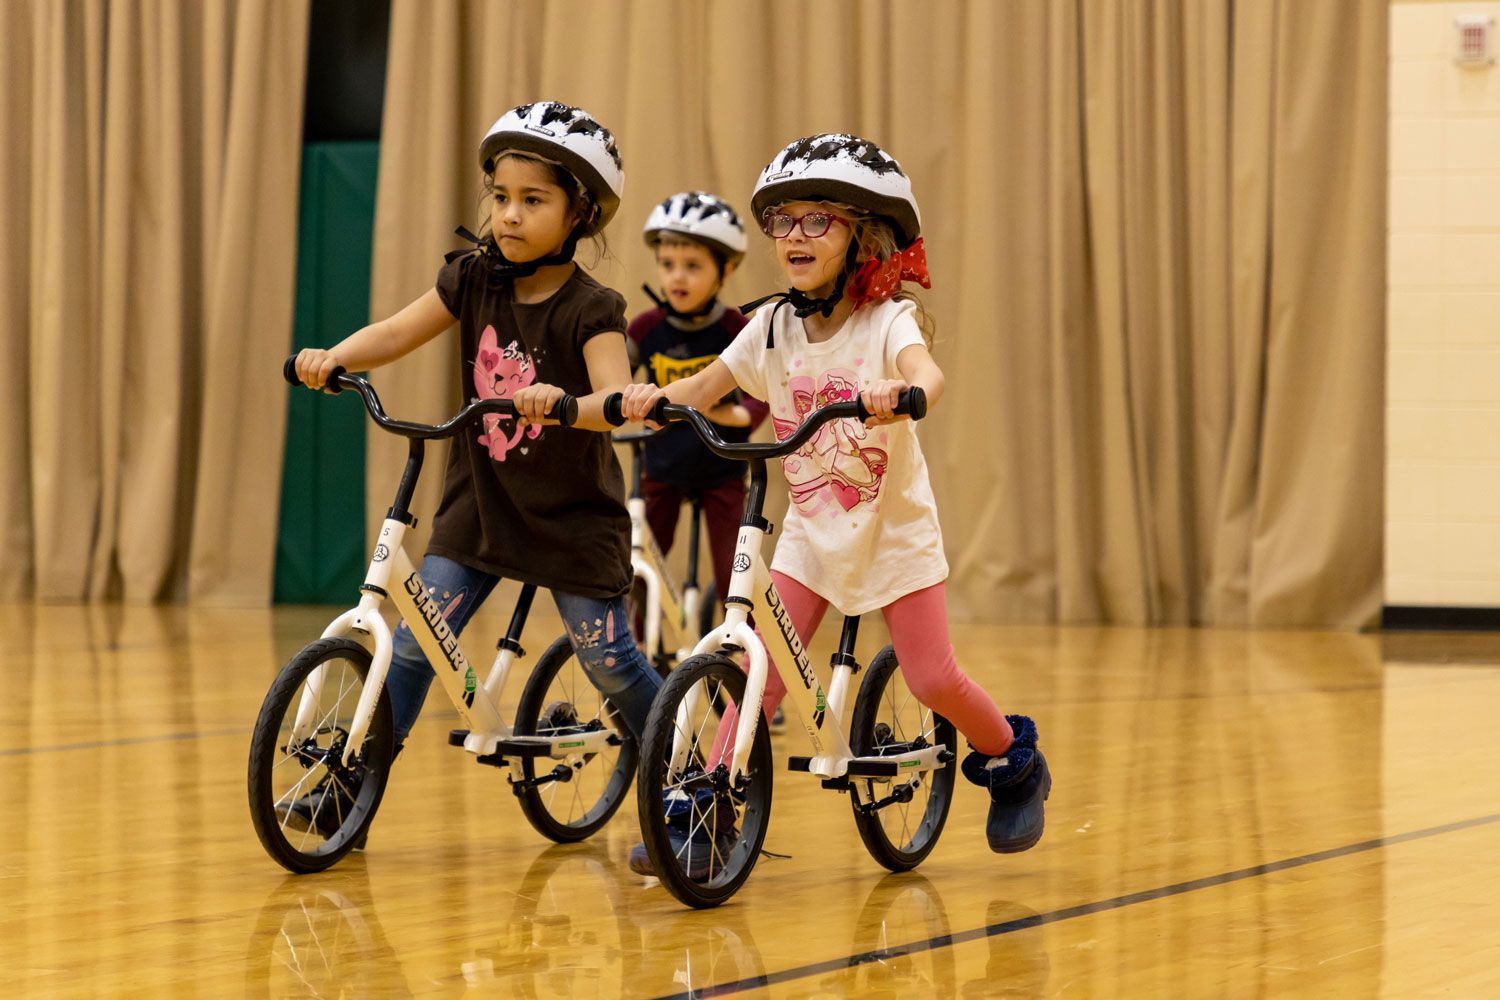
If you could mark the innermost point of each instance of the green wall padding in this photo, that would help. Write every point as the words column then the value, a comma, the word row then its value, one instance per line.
column 320, row 546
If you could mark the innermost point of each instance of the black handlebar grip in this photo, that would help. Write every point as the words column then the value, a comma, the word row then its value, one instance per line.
column 565, row 411
column 915, row 399
column 659, row 411
column 289, row 372
column 613, row 409
column 912, row 403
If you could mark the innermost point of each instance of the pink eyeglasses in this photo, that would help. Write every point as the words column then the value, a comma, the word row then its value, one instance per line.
column 813, row 224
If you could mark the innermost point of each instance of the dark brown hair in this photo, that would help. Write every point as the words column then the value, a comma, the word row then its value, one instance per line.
column 580, row 203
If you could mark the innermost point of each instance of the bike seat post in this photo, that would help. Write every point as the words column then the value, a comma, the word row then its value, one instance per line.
column 637, row 459
column 401, row 509
column 845, row 666
column 512, row 640
column 845, row 654
column 695, row 519
column 755, row 500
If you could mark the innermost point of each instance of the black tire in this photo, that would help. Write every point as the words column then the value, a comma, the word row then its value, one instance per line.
column 280, row 775
column 572, row 810
column 889, row 719
column 735, row 850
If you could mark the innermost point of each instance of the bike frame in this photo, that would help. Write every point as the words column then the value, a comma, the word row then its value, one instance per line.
column 478, row 704
column 671, row 612
column 820, row 705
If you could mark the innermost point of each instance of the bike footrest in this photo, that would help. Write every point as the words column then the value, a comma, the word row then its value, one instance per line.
column 858, row 767
column 546, row 746
column 524, row 746
column 456, row 737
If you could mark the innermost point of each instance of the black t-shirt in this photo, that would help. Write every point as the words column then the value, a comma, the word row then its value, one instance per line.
column 544, row 505
column 675, row 456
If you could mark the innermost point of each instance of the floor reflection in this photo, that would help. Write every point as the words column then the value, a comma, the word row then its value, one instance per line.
column 318, row 940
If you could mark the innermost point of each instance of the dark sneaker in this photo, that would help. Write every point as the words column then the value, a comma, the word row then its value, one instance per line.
column 323, row 809
column 778, row 720
column 702, row 831
column 557, row 715
column 1019, row 784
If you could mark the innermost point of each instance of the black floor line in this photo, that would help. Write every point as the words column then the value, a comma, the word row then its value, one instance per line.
column 1069, row 913
column 125, row 742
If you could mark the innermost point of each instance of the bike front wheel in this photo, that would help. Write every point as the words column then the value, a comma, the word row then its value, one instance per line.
column 899, row 819
column 703, row 831
column 569, row 800
column 309, row 806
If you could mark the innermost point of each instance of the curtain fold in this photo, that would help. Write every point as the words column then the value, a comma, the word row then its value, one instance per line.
column 1157, row 239
column 146, row 292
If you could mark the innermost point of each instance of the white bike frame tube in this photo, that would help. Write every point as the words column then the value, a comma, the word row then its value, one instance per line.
column 651, row 614
column 424, row 616
column 734, row 631
column 494, row 681
column 365, row 617
column 665, row 610
column 691, row 606
column 838, row 691
column 824, row 729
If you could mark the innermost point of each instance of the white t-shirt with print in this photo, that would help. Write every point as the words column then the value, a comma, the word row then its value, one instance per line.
column 862, row 529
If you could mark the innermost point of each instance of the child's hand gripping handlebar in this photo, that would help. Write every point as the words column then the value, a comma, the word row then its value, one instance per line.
column 913, row 403
column 564, row 411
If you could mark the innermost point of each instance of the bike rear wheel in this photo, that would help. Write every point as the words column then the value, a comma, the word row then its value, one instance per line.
column 309, row 807
column 899, row 819
column 585, row 790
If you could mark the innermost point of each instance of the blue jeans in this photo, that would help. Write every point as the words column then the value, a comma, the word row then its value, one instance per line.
column 610, row 658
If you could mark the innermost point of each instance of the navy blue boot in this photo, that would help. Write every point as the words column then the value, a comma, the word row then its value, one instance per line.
column 1018, row 784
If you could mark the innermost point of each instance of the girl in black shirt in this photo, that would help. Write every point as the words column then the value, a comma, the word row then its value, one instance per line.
column 522, row 500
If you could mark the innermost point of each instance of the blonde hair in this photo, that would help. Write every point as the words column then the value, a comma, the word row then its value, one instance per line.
column 580, row 202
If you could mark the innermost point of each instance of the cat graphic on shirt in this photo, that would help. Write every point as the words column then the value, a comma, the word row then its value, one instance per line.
column 835, row 467
column 498, row 373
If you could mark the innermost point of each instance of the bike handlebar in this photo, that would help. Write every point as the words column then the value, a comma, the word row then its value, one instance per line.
column 913, row 403
column 564, row 411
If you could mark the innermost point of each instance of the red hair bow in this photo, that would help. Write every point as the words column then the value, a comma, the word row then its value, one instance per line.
column 877, row 280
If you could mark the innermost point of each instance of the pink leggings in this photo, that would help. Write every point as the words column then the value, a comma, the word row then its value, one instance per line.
column 918, row 624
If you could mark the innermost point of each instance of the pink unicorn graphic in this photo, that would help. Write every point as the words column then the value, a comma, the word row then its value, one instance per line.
column 835, row 466
column 498, row 373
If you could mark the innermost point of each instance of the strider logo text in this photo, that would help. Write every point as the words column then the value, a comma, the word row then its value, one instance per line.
column 447, row 641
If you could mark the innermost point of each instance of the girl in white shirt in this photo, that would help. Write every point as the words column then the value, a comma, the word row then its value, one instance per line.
column 862, row 532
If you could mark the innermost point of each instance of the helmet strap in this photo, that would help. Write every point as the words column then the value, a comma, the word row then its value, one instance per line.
column 804, row 305
column 677, row 314
column 499, row 268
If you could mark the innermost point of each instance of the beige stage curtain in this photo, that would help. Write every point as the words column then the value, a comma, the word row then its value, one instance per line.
column 149, row 173
column 1156, row 231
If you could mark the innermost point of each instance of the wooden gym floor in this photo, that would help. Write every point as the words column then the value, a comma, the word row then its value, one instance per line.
column 1234, row 814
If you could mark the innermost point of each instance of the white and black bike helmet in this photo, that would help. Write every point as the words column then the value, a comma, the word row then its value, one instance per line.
column 843, row 168
column 836, row 166
column 699, row 216
column 569, row 136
